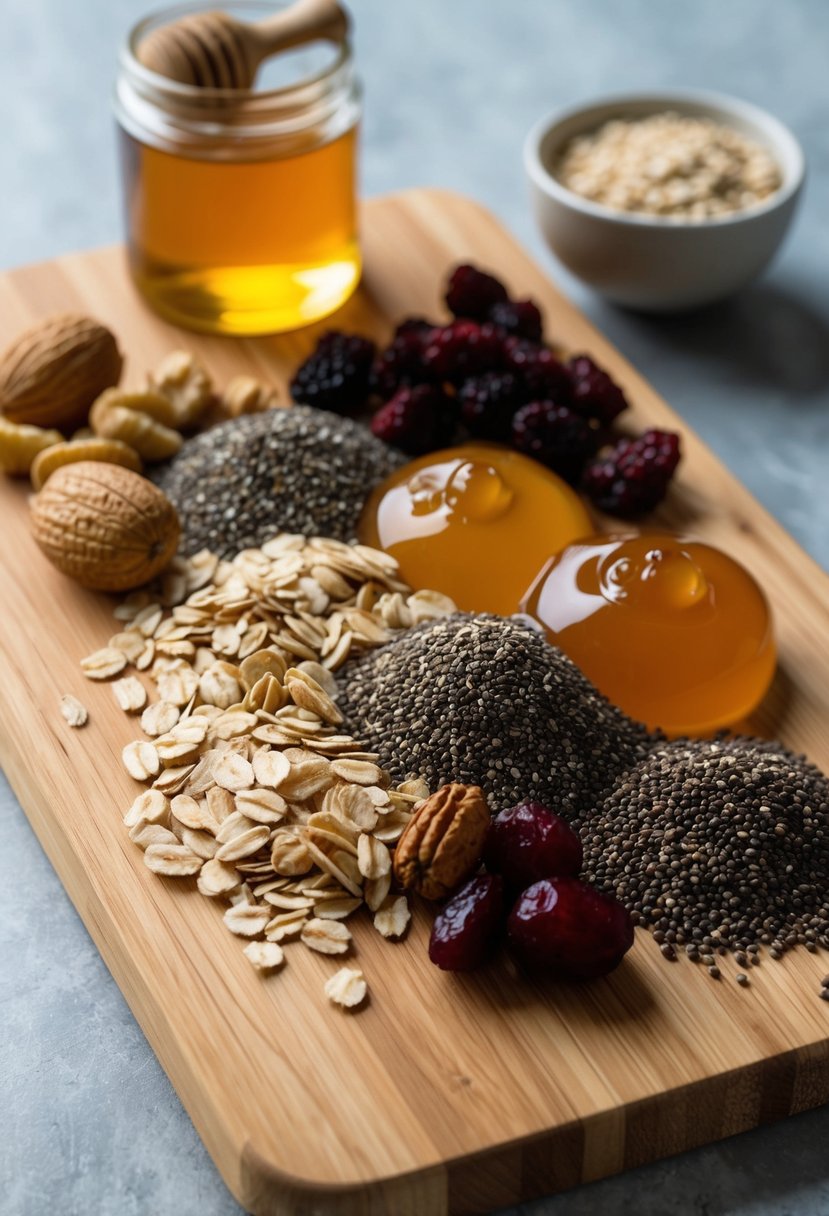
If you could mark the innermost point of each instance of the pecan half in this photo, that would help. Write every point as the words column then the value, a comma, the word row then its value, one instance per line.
column 443, row 841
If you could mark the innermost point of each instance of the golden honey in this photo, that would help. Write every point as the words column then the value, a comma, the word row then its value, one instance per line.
column 241, row 208
column 476, row 522
column 673, row 631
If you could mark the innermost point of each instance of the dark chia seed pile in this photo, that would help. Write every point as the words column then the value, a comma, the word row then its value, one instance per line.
column 286, row 470
column 487, row 701
column 717, row 845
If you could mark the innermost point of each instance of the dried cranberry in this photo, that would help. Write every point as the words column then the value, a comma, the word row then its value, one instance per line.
column 467, row 928
column 417, row 420
column 554, row 435
column 546, row 377
column 529, row 842
column 519, row 317
column 464, row 348
column 563, row 926
column 472, row 292
column 401, row 363
column 335, row 376
column 633, row 477
column 594, row 394
column 488, row 403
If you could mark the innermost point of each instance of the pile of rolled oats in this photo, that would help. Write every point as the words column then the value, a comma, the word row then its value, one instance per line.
column 672, row 165
column 254, row 786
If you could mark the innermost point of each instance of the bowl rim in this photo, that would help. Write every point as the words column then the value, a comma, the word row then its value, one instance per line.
column 779, row 136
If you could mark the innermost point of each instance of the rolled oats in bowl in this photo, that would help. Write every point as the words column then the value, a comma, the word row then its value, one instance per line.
column 681, row 167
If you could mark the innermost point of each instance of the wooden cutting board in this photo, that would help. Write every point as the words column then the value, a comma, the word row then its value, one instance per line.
column 446, row 1094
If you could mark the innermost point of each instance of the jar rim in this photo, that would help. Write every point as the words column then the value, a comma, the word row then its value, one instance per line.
column 203, row 95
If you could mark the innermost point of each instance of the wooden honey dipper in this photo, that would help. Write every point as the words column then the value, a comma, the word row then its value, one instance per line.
column 215, row 51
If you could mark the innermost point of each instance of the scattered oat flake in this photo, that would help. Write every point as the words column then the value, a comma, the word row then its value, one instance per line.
column 347, row 987
column 72, row 711
column 391, row 919
column 265, row 956
column 141, row 760
column 326, row 936
column 104, row 664
column 130, row 694
column 246, row 920
column 172, row 860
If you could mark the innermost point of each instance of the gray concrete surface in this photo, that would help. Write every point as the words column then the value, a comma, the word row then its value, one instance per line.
column 88, row 1122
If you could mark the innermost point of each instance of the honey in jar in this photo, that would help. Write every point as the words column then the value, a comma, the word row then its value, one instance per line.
column 673, row 631
column 474, row 522
column 240, row 206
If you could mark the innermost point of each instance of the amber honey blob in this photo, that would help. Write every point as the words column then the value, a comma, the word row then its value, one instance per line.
column 475, row 522
column 674, row 631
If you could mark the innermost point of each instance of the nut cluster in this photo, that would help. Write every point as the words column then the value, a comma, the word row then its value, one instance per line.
column 671, row 165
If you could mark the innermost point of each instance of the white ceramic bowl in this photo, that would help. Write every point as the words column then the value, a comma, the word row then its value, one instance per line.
column 651, row 263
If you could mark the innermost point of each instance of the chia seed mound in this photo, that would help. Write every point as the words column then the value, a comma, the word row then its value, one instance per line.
column 487, row 701
column 717, row 845
column 285, row 470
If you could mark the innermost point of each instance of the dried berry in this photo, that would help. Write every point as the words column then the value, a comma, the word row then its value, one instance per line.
column 519, row 317
column 561, row 925
column 546, row 377
column 401, row 363
column 528, row 842
column 335, row 376
column 488, row 404
column 466, row 930
column 472, row 292
column 555, row 435
column 464, row 348
column 594, row 394
column 633, row 477
column 417, row 420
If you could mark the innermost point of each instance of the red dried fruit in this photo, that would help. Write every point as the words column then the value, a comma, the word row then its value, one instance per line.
column 546, row 377
column 554, row 435
column 335, row 376
column 472, row 292
column 529, row 842
column 467, row 928
column 401, row 363
column 488, row 403
column 417, row 420
column 462, row 349
column 519, row 317
column 594, row 394
column 563, row 926
column 633, row 477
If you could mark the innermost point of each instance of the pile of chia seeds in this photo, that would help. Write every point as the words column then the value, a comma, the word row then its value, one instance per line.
column 487, row 701
column 285, row 470
column 717, row 846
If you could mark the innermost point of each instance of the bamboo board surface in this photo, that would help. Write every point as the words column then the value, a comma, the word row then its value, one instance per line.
column 444, row 1095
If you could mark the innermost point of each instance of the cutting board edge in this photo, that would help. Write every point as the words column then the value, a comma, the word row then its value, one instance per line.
column 521, row 1170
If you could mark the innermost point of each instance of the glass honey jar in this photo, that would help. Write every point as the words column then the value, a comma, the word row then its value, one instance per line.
column 241, row 205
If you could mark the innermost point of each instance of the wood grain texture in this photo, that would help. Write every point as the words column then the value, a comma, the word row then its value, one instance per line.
column 444, row 1095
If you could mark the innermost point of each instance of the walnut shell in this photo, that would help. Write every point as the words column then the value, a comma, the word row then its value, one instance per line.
column 104, row 526
column 52, row 373
column 442, row 843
